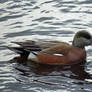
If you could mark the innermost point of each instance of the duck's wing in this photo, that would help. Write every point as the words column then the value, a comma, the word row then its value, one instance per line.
column 32, row 46
column 28, row 45
column 37, row 45
column 59, row 48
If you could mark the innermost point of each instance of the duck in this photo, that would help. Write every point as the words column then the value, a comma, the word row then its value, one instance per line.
column 55, row 52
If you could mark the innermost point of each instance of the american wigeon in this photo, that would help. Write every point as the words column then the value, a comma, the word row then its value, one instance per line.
column 55, row 52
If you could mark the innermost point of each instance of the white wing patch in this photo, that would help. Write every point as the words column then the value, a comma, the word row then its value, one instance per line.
column 59, row 54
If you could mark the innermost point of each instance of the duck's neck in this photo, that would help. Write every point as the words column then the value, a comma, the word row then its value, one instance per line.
column 78, row 44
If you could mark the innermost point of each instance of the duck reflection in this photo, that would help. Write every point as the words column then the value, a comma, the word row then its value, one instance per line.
column 76, row 71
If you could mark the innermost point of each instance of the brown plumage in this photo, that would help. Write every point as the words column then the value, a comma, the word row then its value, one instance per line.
column 55, row 52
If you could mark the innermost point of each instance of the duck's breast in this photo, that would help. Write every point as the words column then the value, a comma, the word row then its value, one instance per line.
column 76, row 55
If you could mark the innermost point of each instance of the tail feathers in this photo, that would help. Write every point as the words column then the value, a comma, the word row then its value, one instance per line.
column 25, row 52
column 19, row 50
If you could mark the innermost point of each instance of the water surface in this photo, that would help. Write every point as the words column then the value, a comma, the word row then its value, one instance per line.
column 43, row 19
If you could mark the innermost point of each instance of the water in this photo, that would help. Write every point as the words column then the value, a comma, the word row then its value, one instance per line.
column 43, row 19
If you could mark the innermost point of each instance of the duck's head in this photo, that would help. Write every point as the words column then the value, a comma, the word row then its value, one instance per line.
column 82, row 39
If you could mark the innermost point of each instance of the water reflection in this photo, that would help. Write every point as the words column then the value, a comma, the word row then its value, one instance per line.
column 76, row 71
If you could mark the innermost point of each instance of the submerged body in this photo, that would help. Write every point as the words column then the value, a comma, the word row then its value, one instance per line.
column 54, row 52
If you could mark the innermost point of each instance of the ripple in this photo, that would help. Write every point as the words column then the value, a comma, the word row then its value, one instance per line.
column 27, row 32
column 10, row 17
column 85, row 2
column 43, row 19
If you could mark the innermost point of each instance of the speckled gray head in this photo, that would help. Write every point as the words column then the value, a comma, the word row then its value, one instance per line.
column 82, row 39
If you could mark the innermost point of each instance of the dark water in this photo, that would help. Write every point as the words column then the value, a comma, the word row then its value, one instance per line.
column 43, row 19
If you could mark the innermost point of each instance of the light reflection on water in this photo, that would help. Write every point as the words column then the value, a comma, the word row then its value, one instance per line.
column 43, row 19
